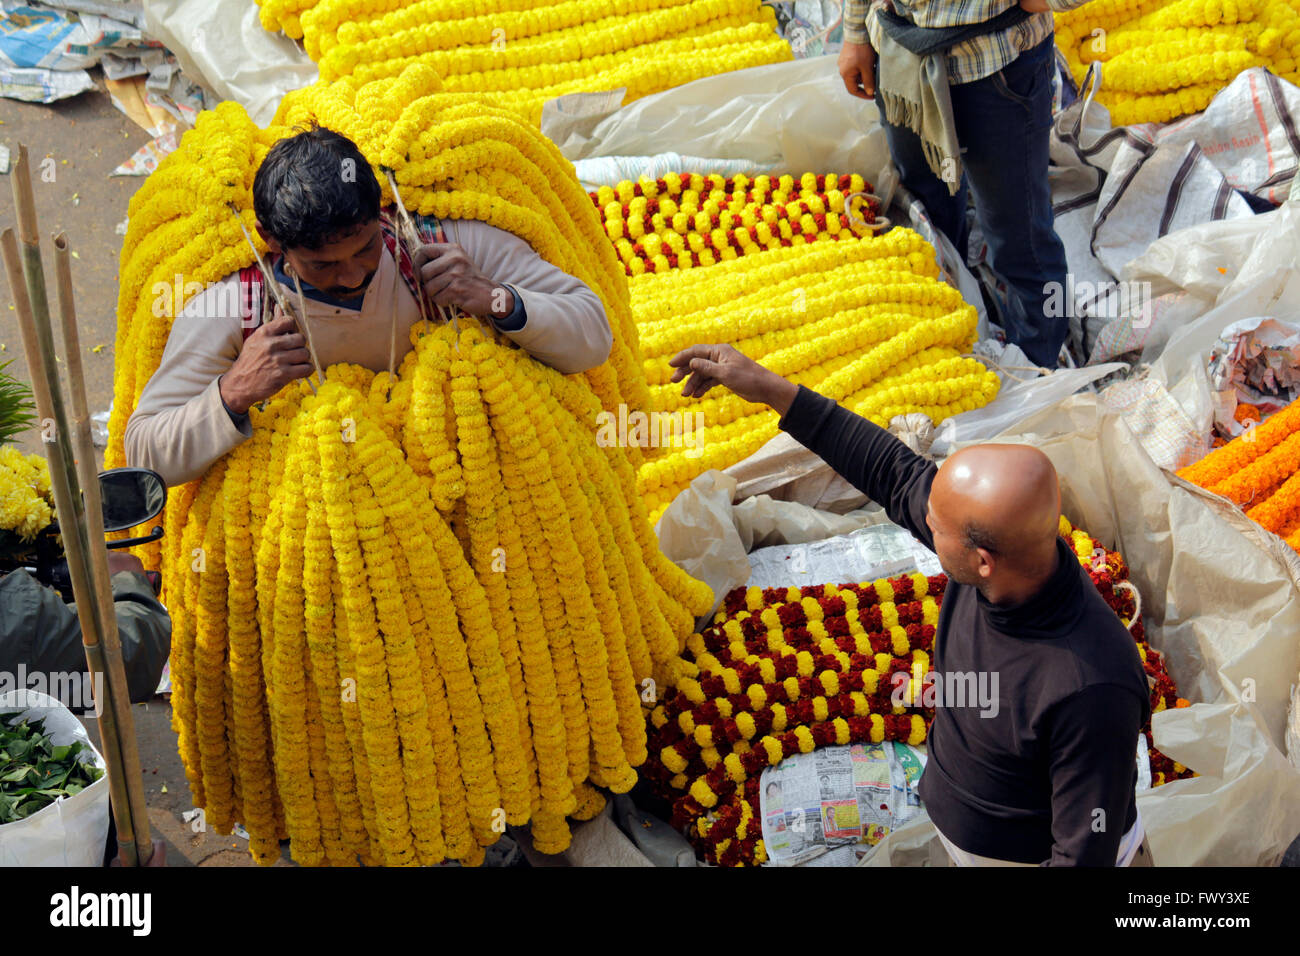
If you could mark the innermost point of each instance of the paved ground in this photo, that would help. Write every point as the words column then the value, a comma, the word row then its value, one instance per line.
column 86, row 137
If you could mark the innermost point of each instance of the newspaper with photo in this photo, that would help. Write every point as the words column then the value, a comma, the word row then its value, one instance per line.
column 830, row 807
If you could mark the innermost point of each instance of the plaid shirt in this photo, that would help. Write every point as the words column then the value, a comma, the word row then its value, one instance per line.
column 975, row 58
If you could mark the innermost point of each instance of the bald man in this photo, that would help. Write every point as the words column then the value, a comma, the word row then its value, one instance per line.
column 1047, row 776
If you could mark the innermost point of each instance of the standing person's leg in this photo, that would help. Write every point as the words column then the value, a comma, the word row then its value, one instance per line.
column 1003, row 124
column 947, row 212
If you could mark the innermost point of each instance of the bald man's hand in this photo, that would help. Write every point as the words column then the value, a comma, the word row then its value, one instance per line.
column 710, row 365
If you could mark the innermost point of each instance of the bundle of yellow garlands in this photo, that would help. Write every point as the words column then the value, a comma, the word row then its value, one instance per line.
column 1260, row 471
column 521, row 54
column 865, row 321
column 784, row 671
column 456, row 594
column 1162, row 60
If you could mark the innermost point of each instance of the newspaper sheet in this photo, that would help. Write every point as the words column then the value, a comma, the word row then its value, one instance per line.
column 831, row 806
column 877, row 551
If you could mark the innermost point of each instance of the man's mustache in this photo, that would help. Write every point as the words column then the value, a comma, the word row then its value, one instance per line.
column 346, row 292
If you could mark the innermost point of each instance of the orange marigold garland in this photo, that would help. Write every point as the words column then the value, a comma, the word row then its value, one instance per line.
column 786, row 670
column 1260, row 471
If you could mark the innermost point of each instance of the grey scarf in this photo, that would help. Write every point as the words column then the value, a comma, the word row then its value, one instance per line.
column 912, row 64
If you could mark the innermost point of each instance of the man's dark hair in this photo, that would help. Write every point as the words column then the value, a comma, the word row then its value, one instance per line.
column 980, row 537
column 312, row 187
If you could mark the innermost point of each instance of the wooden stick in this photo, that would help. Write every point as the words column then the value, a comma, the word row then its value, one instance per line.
column 67, row 501
column 311, row 344
column 407, row 225
column 268, row 279
column 101, row 578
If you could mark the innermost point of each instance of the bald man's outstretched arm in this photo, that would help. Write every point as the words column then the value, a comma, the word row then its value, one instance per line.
column 867, row 457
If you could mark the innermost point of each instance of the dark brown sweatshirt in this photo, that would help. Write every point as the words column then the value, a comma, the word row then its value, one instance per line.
column 1047, row 774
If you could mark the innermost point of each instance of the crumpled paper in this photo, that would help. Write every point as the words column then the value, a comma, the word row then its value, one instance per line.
column 1256, row 361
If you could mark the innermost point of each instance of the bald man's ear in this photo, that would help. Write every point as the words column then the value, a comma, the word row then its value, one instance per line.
column 988, row 563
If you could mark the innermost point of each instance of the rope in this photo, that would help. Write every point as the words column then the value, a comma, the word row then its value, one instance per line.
column 1009, row 369
column 408, row 237
column 878, row 224
column 1137, row 601
column 306, row 329
column 392, row 336
column 268, row 282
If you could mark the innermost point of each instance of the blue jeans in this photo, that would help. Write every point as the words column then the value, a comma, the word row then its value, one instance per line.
column 1003, row 122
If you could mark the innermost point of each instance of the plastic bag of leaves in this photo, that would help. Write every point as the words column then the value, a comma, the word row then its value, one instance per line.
column 53, row 787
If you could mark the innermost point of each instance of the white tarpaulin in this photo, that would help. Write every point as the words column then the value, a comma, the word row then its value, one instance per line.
column 222, row 45
column 1215, row 275
column 792, row 117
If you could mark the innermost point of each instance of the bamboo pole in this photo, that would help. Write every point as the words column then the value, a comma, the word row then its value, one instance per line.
column 84, row 454
column 65, row 501
column 27, row 284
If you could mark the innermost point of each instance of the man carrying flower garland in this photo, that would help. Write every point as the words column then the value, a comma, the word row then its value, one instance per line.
column 1047, row 777
column 318, row 208
column 965, row 96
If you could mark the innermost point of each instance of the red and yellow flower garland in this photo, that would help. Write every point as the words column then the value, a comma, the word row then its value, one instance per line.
column 786, row 670
column 684, row 220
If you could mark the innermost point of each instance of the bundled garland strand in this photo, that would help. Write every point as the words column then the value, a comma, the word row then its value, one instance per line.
column 1167, row 59
column 1260, row 471
column 864, row 321
column 519, row 54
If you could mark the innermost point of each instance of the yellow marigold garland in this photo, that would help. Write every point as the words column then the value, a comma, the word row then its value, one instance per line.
column 1163, row 60
column 520, row 55
column 864, row 321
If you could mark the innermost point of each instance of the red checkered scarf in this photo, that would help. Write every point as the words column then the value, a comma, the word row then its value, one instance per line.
column 253, row 304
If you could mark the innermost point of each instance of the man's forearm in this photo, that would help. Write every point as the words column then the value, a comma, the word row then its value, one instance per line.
column 866, row 456
column 181, row 442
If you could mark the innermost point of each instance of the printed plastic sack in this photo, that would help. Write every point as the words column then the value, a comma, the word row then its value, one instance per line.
column 1248, row 132
column 73, row 830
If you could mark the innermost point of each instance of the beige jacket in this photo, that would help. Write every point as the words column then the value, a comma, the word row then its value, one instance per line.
column 180, row 426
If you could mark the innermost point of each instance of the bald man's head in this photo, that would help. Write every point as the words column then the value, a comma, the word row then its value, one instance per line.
column 995, row 510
